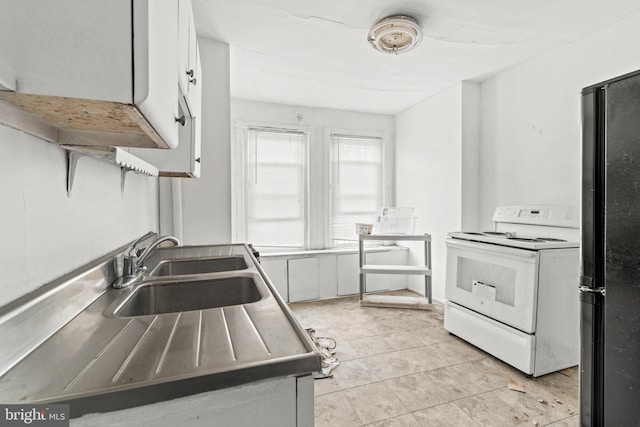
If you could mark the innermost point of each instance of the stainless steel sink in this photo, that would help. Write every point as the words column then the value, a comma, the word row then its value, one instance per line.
column 178, row 296
column 178, row 267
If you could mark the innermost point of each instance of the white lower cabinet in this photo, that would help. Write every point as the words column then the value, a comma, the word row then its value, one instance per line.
column 303, row 279
column 327, row 277
column 322, row 276
column 348, row 283
column 270, row 403
column 276, row 271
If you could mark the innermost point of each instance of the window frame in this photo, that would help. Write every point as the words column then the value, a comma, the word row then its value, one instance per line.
column 328, row 143
column 239, row 196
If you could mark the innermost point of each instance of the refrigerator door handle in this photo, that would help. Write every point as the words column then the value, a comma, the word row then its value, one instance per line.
column 588, row 290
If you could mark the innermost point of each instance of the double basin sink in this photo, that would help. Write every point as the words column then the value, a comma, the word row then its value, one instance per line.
column 201, row 318
column 177, row 285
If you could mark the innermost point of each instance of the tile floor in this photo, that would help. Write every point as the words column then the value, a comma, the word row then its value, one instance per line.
column 399, row 367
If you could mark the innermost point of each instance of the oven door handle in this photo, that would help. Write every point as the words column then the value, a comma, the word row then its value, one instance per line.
column 488, row 247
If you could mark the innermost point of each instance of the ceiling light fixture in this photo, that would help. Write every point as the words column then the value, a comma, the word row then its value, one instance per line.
column 395, row 34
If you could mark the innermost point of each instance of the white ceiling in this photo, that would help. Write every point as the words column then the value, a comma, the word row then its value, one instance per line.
column 315, row 53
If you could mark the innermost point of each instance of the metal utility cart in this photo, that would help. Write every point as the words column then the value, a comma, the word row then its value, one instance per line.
column 395, row 300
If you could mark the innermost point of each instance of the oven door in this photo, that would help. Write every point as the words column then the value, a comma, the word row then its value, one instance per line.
column 497, row 281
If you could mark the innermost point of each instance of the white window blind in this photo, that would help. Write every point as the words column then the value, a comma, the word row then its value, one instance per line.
column 356, row 184
column 275, row 183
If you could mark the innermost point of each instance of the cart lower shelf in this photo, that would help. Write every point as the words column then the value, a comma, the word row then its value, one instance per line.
column 395, row 301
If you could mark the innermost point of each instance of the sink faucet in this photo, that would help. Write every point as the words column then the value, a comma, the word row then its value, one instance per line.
column 132, row 262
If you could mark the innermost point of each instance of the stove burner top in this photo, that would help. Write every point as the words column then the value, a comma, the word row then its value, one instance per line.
column 536, row 239
column 512, row 236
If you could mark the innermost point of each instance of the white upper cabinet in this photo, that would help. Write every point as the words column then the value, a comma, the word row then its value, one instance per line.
column 101, row 72
column 185, row 160
column 155, row 60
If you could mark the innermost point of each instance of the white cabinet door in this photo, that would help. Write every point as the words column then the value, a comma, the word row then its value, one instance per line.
column 71, row 48
column 276, row 271
column 196, row 113
column 327, row 277
column 155, row 61
column 184, row 13
column 185, row 160
column 194, row 71
column 303, row 279
column 348, row 279
column 189, row 68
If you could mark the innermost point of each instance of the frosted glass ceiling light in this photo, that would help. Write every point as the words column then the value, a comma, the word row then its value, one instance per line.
column 395, row 34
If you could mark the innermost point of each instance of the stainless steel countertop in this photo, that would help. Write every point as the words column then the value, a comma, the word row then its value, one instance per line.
column 99, row 362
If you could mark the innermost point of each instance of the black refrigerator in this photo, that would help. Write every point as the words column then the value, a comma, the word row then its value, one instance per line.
column 610, row 258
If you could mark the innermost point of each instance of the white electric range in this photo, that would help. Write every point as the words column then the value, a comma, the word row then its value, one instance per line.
column 512, row 291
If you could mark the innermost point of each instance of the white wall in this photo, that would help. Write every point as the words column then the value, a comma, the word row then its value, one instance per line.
column 316, row 120
column 206, row 214
column 530, row 151
column 44, row 233
column 429, row 164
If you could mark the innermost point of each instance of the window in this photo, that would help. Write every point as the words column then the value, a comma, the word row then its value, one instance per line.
column 275, row 187
column 296, row 188
column 356, row 184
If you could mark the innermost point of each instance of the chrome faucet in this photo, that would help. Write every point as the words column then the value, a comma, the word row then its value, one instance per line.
column 132, row 262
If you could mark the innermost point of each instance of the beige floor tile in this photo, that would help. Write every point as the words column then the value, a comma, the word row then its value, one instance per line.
column 354, row 373
column 403, row 362
column 398, row 325
column 407, row 420
column 402, row 340
column 385, row 326
column 443, row 379
column 312, row 321
column 346, row 332
column 340, row 318
column 369, row 346
column 506, row 407
column 374, row 402
column 433, row 334
column 416, row 391
column 457, row 351
column 433, row 387
column 345, row 352
column 487, row 374
column 366, row 314
column 333, row 410
column 452, row 383
column 325, row 385
column 394, row 314
column 446, row 415
column 573, row 421
column 557, row 388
